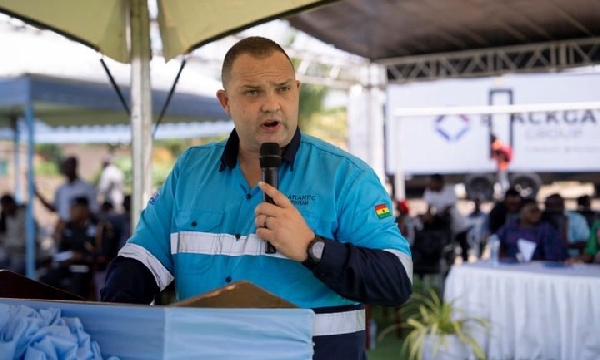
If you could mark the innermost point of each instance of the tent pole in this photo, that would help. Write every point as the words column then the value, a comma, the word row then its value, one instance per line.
column 141, row 107
column 17, row 159
column 29, row 221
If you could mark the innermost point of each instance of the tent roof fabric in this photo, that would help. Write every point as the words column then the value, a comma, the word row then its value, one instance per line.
column 67, row 102
column 383, row 29
column 184, row 24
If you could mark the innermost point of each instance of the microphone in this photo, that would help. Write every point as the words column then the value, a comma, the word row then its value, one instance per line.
column 270, row 159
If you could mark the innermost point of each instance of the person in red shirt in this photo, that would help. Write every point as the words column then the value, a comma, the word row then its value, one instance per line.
column 502, row 154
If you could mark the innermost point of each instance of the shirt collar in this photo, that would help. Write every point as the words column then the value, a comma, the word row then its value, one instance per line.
column 232, row 147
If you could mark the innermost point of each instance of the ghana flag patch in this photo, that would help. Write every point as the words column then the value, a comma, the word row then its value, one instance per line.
column 382, row 211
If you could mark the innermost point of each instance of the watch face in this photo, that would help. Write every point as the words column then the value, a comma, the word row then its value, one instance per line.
column 316, row 250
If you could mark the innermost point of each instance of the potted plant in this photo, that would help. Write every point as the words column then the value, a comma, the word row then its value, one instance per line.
column 439, row 330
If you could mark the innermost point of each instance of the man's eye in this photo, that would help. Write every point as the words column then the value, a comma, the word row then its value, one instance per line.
column 252, row 92
column 284, row 89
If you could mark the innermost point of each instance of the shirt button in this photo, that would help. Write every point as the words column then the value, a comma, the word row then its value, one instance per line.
column 228, row 279
column 248, row 196
column 194, row 223
column 237, row 236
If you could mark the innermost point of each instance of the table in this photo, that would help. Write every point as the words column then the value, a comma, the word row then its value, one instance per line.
column 537, row 310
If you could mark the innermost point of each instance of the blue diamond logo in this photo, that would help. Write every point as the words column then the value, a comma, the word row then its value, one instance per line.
column 452, row 127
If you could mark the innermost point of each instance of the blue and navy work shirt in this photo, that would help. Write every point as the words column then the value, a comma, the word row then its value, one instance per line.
column 199, row 228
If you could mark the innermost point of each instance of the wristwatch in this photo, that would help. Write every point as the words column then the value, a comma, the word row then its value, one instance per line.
column 315, row 249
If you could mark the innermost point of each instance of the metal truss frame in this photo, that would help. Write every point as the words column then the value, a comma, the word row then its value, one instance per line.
column 550, row 56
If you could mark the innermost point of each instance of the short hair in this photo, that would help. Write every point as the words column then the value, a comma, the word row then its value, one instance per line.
column 71, row 159
column 555, row 196
column 583, row 200
column 512, row 192
column 81, row 201
column 7, row 199
column 437, row 177
column 257, row 46
column 527, row 201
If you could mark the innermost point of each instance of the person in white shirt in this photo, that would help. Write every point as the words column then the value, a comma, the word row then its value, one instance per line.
column 72, row 188
column 111, row 184
column 441, row 201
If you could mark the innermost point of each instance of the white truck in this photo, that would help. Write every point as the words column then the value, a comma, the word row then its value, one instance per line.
column 551, row 121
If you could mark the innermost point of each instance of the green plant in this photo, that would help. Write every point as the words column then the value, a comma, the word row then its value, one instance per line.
column 429, row 316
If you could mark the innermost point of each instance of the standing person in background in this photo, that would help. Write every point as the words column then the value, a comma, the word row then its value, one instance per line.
column 407, row 224
column 502, row 154
column 477, row 220
column 13, row 233
column 111, row 184
column 441, row 202
column 72, row 188
column 337, row 244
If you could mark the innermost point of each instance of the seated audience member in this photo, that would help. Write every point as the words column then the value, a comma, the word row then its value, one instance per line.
column 572, row 226
column 441, row 202
column 407, row 224
column 584, row 207
column 72, row 188
column 504, row 211
column 76, row 248
column 529, row 226
column 591, row 252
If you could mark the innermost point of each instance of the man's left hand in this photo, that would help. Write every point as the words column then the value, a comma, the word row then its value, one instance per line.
column 286, row 228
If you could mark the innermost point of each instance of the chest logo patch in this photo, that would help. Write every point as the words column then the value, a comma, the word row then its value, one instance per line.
column 154, row 198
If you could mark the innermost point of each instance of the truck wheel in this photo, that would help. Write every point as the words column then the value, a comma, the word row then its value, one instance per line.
column 479, row 187
column 528, row 185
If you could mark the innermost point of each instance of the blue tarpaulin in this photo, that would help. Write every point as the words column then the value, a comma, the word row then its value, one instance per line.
column 135, row 332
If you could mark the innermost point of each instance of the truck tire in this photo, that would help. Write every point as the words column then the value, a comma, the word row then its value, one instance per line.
column 479, row 186
column 527, row 184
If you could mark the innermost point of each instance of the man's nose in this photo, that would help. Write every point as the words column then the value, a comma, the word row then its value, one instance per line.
column 271, row 102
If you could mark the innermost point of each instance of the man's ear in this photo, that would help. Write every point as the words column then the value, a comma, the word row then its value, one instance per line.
column 224, row 100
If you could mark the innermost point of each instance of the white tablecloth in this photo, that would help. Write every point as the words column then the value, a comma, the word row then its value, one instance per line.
column 537, row 311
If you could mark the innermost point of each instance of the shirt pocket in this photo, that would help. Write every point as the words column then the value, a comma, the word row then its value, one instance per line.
column 196, row 240
column 198, row 220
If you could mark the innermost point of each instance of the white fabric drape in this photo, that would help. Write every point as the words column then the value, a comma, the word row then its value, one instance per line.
column 537, row 311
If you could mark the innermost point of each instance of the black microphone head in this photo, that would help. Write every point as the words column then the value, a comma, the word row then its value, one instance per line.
column 270, row 155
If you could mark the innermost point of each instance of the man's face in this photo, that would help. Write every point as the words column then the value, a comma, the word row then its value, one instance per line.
column 435, row 185
column 530, row 213
column 554, row 205
column 8, row 207
column 69, row 168
column 262, row 99
column 79, row 212
column 512, row 203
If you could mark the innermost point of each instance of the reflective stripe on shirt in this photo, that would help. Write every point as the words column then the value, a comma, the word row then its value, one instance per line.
column 339, row 323
column 219, row 244
column 406, row 262
column 230, row 245
column 162, row 276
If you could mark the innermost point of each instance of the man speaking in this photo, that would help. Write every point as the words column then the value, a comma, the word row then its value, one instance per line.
column 337, row 245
